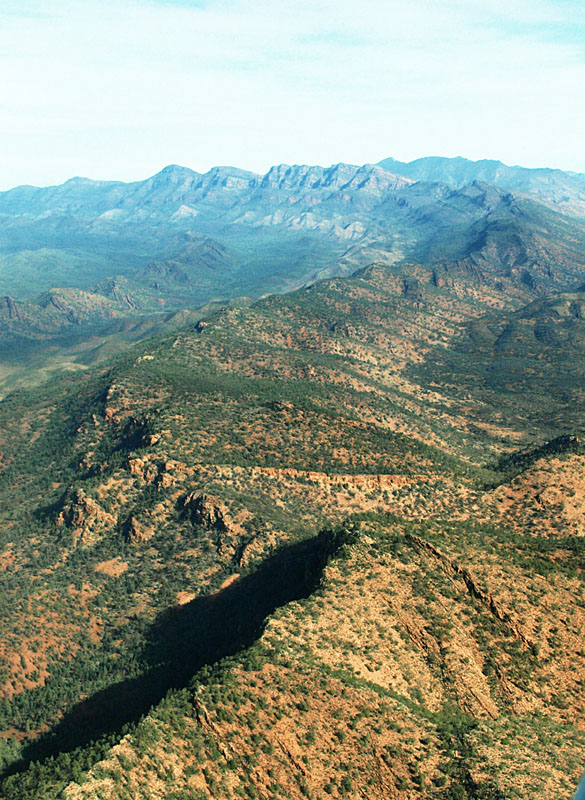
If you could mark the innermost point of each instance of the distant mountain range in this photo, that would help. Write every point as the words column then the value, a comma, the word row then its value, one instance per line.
column 561, row 190
column 183, row 237
column 87, row 253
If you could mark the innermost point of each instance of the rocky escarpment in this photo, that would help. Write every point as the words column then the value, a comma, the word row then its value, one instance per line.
column 232, row 540
column 473, row 587
column 10, row 308
column 137, row 532
column 203, row 509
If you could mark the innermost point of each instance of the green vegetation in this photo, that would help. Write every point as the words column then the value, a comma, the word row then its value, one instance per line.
column 165, row 579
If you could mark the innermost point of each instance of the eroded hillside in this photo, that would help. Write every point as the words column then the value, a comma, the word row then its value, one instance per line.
column 282, row 486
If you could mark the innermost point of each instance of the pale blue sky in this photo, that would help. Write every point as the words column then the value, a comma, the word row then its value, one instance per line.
column 119, row 89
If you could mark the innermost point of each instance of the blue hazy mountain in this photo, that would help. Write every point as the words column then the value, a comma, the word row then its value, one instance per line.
column 76, row 259
column 180, row 237
column 564, row 191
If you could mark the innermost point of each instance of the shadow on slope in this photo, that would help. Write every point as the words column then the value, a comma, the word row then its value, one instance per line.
column 188, row 637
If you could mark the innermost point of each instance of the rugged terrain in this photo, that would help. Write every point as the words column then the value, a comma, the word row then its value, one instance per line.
column 327, row 543
column 86, row 267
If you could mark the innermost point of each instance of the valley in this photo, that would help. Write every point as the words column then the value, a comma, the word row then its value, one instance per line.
column 291, row 497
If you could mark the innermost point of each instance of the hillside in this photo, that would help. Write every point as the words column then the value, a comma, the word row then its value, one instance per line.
column 525, row 366
column 303, row 548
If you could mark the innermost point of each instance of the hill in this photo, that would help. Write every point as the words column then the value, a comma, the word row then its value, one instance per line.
column 280, row 553
column 525, row 371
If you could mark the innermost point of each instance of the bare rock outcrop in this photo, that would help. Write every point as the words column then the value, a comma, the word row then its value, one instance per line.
column 137, row 532
column 473, row 587
column 207, row 511
column 85, row 517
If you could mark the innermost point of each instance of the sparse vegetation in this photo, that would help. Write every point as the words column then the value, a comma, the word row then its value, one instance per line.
column 171, row 616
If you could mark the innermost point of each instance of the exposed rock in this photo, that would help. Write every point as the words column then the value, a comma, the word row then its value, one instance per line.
column 162, row 473
column 10, row 308
column 208, row 511
column 144, row 469
column 85, row 517
column 165, row 480
column 136, row 467
column 474, row 589
column 137, row 532
column 185, row 597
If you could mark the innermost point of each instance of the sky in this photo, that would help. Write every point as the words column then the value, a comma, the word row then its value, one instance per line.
column 117, row 90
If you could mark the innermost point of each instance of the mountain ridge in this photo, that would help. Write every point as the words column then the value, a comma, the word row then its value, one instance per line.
column 144, row 496
column 555, row 187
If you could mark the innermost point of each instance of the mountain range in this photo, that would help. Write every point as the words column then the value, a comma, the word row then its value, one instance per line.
column 291, row 485
column 217, row 232
column 100, row 251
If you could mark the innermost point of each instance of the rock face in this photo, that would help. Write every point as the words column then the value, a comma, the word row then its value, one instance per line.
column 137, row 532
column 86, row 518
column 473, row 587
column 230, row 539
column 208, row 511
column 10, row 308
column 143, row 469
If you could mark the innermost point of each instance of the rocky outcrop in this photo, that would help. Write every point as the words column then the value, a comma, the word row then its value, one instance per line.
column 85, row 517
column 207, row 511
column 10, row 308
column 137, row 532
column 162, row 473
column 141, row 468
column 474, row 589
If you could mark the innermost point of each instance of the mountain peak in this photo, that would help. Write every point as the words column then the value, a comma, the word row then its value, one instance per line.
column 232, row 172
column 176, row 171
column 80, row 181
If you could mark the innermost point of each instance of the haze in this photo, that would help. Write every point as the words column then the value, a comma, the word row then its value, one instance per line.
column 116, row 90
